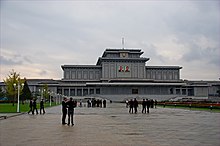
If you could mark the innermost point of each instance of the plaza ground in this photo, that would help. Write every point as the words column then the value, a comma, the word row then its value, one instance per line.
column 114, row 126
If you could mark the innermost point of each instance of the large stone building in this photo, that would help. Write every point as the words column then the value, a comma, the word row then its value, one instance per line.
column 120, row 74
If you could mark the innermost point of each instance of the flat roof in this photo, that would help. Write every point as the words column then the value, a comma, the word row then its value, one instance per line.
column 137, row 84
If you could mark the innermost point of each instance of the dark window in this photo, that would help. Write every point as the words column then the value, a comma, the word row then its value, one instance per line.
column 171, row 90
column 134, row 91
column 190, row 92
column 72, row 92
column 59, row 91
column 178, row 91
column 98, row 91
column 184, row 91
column 79, row 92
column 66, row 92
column 91, row 91
column 85, row 92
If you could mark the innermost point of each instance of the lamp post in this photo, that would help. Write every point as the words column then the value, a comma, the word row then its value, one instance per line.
column 19, row 86
column 50, row 97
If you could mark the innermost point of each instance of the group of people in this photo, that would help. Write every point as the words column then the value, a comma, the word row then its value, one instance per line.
column 68, row 108
column 96, row 103
column 33, row 107
column 146, row 105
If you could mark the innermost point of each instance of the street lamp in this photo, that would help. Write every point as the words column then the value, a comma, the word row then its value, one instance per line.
column 50, row 97
column 19, row 86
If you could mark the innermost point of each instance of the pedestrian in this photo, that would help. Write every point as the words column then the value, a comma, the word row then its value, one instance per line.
column 34, row 107
column 42, row 106
column 152, row 103
column 148, row 105
column 144, row 104
column 71, row 105
column 80, row 103
column 64, row 110
column 135, row 105
column 31, row 106
column 104, row 103
column 131, row 106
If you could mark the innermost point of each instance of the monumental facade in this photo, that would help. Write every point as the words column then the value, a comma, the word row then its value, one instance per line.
column 121, row 74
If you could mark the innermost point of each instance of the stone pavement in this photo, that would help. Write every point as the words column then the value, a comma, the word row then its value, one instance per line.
column 114, row 126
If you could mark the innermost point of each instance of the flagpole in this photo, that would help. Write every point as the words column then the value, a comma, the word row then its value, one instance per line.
column 123, row 43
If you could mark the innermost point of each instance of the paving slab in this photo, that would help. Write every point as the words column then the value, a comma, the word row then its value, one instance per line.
column 114, row 126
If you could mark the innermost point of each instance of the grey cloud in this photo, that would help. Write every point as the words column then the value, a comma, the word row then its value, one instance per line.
column 6, row 61
column 209, row 55
column 27, row 59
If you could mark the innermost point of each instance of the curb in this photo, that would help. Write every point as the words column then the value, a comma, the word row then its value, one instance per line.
column 10, row 116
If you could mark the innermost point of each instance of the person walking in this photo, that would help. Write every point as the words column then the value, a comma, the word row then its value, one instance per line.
column 144, row 104
column 131, row 106
column 135, row 105
column 42, row 106
column 64, row 110
column 71, row 105
column 34, row 107
column 31, row 106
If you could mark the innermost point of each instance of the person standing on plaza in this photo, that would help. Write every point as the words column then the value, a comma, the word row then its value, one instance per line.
column 104, row 103
column 135, row 105
column 155, row 103
column 71, row 105
column 148, row 105
column 144, row 104
column 42, row 106
column 131, row 106
column 31, row 106
column 64, row 110
column 34, row 107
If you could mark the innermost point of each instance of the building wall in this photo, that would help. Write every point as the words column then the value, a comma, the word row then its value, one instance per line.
column 82, row 74
column 162, row 74
column 111, row 70
column 201, row 91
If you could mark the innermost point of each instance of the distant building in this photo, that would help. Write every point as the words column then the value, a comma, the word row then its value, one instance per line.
column 121, row 74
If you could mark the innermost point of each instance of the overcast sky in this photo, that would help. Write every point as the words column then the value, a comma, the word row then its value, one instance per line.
column 37, row 37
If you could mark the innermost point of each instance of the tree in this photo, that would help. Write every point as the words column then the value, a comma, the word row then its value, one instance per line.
column 26, row 93
column 2, row 93
column 13, row 78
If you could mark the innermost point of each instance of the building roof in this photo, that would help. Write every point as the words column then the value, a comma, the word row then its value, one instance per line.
column 80, row 66
column 163, row 67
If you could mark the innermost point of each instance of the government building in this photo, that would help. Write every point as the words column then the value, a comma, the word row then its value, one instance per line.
column 121, row 74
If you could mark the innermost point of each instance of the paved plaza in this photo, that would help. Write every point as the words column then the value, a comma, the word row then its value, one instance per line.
column 114, row 126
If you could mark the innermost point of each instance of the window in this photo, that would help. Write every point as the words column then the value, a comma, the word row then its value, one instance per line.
column 178, row 91
column 72, row 92
column 98, row 91
column 171, row 90
column 184, row 91
column 134, row 91
column 91, row 91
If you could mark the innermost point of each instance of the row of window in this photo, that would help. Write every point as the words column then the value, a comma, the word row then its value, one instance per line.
column 78, row 92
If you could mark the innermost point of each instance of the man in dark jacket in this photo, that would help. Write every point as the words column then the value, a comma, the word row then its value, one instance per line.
column 144, row 104
column 64, row 111
column 148, row 105
column 42, row 106
column 131, row 106
column 71, row 105
column 34, row 107
column 135, row 105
